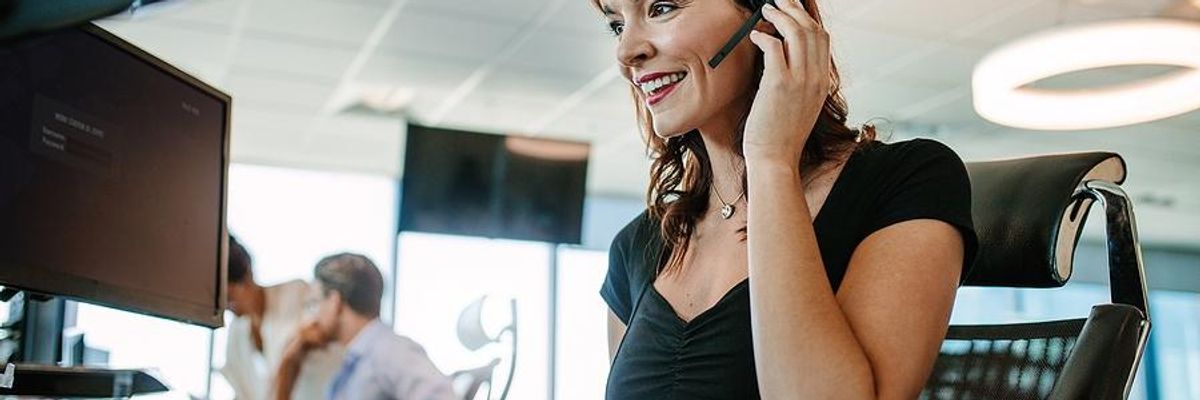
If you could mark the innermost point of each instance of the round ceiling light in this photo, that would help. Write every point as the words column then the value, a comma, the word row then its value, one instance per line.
column 1000, row 80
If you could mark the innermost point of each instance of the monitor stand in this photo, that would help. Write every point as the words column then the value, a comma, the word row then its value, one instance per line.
column 36, row 325
column 58, row 382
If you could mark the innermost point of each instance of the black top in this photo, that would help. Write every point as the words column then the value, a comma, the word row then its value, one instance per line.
column 711, row 357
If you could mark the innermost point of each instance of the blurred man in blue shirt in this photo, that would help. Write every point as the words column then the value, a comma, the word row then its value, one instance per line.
column 379, row 364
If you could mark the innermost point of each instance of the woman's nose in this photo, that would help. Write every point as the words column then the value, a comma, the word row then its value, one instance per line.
column 634, row 48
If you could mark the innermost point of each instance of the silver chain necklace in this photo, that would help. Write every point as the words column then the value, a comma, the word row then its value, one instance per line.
column 727, row 209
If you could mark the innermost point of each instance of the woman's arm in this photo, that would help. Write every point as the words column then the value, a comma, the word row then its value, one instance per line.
column 616, row 332
column 308, row 337
column 878, row 337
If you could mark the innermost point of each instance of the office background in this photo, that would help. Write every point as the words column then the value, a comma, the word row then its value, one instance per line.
column 323, row 90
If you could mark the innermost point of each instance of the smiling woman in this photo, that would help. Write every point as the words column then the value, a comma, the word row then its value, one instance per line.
column 781, row 249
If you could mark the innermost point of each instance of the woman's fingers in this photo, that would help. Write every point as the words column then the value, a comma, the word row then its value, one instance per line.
column 805, row 42
column 774, row 58
column 793, row 40
column 796, row 10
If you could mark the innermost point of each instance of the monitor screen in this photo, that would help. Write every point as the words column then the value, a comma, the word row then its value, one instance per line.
column 477, row 184
column 112, row 177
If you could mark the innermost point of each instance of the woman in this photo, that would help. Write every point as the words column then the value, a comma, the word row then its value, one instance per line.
column 266, row 320
column 783, row 254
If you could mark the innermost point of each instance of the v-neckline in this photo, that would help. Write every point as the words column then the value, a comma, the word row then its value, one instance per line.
column 745, row 282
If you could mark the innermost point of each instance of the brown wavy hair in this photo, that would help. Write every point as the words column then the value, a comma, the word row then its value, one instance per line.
column 681, row 174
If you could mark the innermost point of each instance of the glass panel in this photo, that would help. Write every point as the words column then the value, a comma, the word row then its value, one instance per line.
column 582, row 348
column 438, row 276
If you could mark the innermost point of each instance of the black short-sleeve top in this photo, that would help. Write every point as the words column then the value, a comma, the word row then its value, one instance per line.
column 710, row 357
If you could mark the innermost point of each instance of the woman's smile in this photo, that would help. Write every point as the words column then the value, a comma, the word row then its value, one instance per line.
column 657, row 86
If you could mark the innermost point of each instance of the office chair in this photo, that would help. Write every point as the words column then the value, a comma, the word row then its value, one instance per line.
column 1028, row 214
column 474, row 337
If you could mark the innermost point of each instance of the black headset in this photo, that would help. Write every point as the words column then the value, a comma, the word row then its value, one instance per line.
column 741, row 33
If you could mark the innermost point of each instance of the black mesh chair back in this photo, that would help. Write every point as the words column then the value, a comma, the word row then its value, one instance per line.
column 1028, row 214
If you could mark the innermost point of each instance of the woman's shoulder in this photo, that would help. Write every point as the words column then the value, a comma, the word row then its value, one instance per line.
column 910, row 151
column 639, row 229
column 639, row 244
column 881, row 162
column 293, row 289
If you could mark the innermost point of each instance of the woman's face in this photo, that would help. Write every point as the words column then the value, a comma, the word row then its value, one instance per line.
column 663, row 49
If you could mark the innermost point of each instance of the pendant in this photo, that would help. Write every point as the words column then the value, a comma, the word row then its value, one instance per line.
column 727, row 211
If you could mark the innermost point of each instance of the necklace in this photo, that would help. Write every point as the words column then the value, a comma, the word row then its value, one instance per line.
column 727, row 209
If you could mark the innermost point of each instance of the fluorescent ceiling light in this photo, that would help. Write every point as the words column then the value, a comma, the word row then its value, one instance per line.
column 1000, row 78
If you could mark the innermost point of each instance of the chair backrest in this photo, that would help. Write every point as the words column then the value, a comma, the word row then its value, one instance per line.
column 472, row 336
column 468, row 382
column 1028, row 215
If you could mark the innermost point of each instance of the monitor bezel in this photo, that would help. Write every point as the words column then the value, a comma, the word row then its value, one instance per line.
column 95, row 292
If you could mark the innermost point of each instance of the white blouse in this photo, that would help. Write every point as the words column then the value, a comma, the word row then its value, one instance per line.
column 251, row 373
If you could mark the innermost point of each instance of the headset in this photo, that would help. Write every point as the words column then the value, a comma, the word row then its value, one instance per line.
column 741, row 33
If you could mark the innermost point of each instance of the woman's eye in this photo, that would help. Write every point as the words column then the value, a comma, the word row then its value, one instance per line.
column 661, row 8
column 615, row 27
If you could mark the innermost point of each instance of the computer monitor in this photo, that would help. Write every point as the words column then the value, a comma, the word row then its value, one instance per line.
column 477, row 184
column 113, row 171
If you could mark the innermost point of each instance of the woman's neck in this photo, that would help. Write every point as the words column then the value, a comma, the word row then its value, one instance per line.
column 259, row 308
column 725, row 160
column 727, row 163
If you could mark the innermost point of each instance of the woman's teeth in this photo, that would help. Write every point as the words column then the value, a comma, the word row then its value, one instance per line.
column 650, row 87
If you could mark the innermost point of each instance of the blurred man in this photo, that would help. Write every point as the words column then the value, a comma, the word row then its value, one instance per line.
column 266, row 319
column 378, row 364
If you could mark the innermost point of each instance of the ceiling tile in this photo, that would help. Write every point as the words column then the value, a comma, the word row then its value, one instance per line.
column 317, row 19
column 530, row 83
column 293, row 58
column 953, row 108
column 286, row 93
column 931, row 19
column 565, row 52
column 209, row 11
column 168, row 44
column 883, row 99
column 448, row 36
column 497, row 113
column 580, row 17
column 490, row 11
column 415, row 71
column 948, row 66
column 1046, row 14
column 861, row 53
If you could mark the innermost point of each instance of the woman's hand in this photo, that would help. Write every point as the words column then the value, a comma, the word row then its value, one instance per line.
column 795, row 84
column 308, row 337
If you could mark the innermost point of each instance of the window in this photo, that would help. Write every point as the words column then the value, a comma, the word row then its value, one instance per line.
column 1174, row 344
column 438, row 275
column 288, row 219
column 177, row 352
column 981, row 305
column 581, row 352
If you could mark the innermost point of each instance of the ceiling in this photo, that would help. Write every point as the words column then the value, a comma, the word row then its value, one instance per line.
column 545, row 68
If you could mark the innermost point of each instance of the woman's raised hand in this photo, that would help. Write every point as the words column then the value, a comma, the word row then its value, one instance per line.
column 795, row 83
